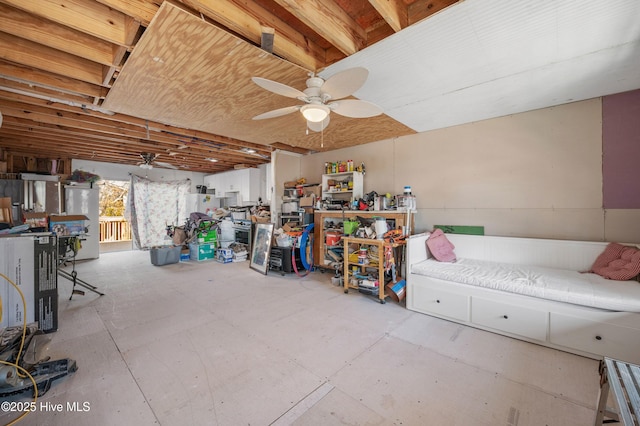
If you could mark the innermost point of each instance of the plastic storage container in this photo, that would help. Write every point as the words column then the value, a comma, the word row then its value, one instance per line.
column 165, row 255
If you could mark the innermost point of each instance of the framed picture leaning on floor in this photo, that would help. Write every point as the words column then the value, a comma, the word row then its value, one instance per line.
column 261, row 247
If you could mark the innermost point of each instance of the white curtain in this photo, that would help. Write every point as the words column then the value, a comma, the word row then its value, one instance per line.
column 155, row 205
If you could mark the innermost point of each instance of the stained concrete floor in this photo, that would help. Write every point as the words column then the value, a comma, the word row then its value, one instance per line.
column 221, row 344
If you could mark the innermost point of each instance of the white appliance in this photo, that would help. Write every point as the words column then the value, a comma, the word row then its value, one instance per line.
column 86, row 200
column 202, row 203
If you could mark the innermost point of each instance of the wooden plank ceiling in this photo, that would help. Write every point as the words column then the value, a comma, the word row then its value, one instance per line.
column 107, row 80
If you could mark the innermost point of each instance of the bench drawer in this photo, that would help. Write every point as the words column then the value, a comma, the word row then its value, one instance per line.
column 440, row 302
column 598, row 338
column 509, row 318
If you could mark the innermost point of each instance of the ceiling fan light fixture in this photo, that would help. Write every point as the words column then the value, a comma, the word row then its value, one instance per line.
column 146, row 166
column 315, row 112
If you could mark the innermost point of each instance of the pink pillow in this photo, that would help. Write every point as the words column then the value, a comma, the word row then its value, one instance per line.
column 440, row 247
column 617, row 262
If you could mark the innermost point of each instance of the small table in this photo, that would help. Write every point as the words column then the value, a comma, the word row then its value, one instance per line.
column 624, row 379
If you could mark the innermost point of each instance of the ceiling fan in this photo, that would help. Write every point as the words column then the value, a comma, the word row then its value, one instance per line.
column 321, row 97
column 149, row 159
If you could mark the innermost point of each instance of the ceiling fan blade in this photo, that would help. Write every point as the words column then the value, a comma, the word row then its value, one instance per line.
column 345, row 82
column 165, row 165
column 277, row 112
column 278, row 88
column 355, row 108
column 318, row 126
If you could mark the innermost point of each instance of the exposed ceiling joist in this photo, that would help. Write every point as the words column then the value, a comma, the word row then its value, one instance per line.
column 394, row 12
column 86, row 16
column 330, row 21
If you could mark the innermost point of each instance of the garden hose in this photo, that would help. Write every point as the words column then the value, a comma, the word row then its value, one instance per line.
column 304, row 242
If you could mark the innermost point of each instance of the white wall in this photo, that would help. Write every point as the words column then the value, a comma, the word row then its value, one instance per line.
column 285, row 167
column 534, row 174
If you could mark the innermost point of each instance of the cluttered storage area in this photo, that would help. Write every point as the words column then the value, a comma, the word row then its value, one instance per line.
column 356, row 240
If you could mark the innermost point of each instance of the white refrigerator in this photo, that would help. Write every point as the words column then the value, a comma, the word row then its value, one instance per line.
column 86, row 200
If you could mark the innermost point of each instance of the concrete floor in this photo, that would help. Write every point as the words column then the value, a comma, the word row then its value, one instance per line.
column 220, row 344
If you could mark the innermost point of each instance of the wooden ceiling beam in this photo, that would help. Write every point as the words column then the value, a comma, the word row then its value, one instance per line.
column 163, row 130
column 70, row 120
column 329, row 20
column 28, row 53
column 142, row 11
column 295, row 149
column 33, row 28
column 248, row 20
column 422, row 9
column 46, row 147
column 109, row 157
column 194, row 137
column 87, row 16
column 394, row 12
column 45, row 79
column 27, row 90
column 158, row 142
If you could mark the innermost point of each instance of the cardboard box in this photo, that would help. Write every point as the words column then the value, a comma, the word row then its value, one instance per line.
column 36, row 220
column 224, row 255
column 31, row 263
column 204, row 251
column 66, row 225
column 313, row 190
column 5, row 210
column 260, row 219
column 288, row 227
column 207, row 237
column 307, row 201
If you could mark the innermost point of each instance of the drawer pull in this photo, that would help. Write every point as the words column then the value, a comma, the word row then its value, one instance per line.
column 598, row 337
column 505, row 316
column 437, row 300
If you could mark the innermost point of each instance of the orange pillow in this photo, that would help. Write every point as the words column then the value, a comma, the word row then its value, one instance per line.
column 440, row 247
column 617, row 262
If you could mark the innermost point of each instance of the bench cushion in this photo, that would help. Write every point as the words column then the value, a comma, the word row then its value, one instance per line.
column 561, row 285
column 617, row 262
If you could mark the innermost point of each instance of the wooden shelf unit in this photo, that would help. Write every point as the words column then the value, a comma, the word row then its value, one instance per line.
column 380, row 265
column 353, row 193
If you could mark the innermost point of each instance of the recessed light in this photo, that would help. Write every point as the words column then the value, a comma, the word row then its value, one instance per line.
column 213, row 160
